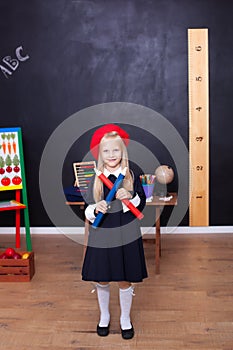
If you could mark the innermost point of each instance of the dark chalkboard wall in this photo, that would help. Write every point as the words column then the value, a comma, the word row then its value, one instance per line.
column 83, row 53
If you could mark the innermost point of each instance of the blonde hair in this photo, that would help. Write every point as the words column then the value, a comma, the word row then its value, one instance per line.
column 128, row 180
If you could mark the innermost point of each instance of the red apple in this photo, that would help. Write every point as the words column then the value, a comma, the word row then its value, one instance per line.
column 10, row 252
column 17, row 256
column 3, row 256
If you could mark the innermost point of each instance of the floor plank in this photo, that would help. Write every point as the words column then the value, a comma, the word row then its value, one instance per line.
column 188, row 306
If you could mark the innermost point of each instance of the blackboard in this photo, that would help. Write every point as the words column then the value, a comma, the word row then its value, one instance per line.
column 64, row 56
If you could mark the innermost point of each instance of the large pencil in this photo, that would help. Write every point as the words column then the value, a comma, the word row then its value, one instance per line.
column 130, row 205
column 110, row 197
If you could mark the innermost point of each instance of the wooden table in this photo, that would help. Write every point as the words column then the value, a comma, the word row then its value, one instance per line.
column 158, row 204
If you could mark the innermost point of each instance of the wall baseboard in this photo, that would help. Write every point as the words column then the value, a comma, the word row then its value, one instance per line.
column 145, row 230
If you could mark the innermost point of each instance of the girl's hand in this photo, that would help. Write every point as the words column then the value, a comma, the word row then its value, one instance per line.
column 122, row 193
column 101, row 207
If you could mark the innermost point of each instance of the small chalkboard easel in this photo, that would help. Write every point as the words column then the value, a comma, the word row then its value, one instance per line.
column 12, row 177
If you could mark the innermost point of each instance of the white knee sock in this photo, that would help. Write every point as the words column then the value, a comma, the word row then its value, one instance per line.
column 103, row 295
column 126, row 297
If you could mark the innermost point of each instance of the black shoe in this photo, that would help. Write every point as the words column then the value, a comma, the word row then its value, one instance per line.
column 127, row 333
column 102, row 331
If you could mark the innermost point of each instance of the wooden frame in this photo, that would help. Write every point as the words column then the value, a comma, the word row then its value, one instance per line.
column 83, row 171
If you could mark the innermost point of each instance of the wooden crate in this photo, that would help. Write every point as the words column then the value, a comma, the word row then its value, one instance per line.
column 17, row 270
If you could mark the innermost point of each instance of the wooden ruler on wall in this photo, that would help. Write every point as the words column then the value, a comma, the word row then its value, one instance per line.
column 198, row 126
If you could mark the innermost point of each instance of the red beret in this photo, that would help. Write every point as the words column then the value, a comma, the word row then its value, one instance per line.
column 99, row 134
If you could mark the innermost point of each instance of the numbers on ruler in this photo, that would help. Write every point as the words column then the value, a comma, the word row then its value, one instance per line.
column 199, row 78
column 198, row 48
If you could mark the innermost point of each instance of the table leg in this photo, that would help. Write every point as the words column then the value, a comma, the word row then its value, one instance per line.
column 157, row 240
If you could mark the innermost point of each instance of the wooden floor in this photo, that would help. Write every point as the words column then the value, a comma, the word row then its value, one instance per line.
column 189, row 306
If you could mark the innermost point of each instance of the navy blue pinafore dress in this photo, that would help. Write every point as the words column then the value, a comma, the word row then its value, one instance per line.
column 115, row 249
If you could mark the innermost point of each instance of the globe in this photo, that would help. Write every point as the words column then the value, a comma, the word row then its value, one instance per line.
column 164, row 174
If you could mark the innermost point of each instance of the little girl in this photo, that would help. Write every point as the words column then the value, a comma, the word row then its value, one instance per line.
column 115, row 249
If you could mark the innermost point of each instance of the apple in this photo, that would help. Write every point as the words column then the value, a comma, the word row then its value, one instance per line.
column 3, row 256
column 10, row 252
column 17, row 256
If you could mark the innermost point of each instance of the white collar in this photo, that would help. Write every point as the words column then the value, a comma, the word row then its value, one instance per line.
column 116, row 172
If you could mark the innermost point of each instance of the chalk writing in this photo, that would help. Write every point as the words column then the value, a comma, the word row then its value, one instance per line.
column 11, row 64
